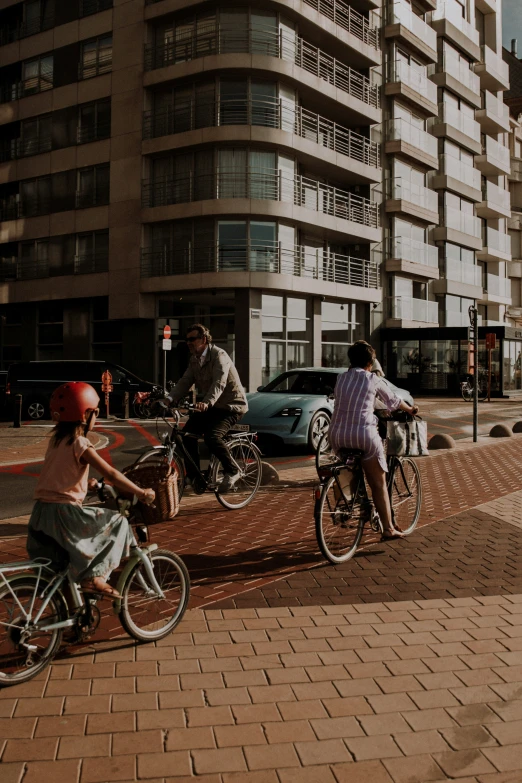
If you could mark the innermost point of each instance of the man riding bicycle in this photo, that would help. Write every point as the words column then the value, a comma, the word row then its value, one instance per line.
column 224, row 402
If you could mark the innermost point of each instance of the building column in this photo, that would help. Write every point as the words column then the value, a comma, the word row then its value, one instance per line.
column 248, row 337
column 317, row 335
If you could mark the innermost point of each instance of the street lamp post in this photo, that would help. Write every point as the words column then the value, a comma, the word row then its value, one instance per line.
column 473, row 337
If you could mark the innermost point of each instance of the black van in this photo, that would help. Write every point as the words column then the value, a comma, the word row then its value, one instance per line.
column 36, row 381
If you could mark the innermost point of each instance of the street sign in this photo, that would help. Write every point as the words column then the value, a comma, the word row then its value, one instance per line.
column 491, row 342
column 166, row 333
column 166, row 345
column 107, row 387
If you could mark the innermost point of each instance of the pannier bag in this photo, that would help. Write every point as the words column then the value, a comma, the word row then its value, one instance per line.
column 407, row 438
column 162, row 479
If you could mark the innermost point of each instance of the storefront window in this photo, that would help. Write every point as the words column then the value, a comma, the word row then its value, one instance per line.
column 439, row 364
column 403, row 358
column 338, row 332
column 286, row 335
column 512, row 365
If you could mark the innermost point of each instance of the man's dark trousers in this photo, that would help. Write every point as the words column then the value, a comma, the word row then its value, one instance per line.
column 213, row 424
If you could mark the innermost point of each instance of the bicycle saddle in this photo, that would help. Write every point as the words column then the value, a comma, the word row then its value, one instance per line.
column 345, row 454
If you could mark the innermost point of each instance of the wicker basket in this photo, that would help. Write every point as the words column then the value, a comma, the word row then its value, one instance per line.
column 163, row 480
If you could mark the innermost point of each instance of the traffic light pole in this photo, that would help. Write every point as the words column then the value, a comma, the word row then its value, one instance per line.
column 473, row 320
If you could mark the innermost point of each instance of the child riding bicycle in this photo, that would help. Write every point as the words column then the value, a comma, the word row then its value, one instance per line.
column 95, row 539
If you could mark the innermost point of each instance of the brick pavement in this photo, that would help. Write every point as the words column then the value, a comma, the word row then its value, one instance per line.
column 29, row 443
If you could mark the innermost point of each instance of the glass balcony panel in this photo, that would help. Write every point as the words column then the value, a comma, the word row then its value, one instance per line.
column 496, row 240
column 463, row 273
column 462, row 221
column 401, row 188
column 462, row 122
column 407, row 308
column 452, row 11
column 497, row 153
column 401, row 129
column 459, row 169
column 498, row 286
column 414, row 251
column 494, row 65
column 401, row 13
column 495, row 195
column 493, row 106
column 417, row 80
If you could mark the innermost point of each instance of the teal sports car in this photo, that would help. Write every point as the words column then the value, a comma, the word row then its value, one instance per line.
column 296, row 408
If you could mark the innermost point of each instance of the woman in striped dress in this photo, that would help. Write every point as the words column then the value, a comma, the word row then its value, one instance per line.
column 354, row 424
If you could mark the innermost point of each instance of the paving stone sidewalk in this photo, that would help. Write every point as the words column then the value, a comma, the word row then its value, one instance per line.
column 29, row 443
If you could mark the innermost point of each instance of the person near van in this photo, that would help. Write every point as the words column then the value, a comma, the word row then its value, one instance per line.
column 95, row 539
column 354, row 424
column 224, row 401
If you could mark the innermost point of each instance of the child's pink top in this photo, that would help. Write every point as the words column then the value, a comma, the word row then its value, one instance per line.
column 64, row 478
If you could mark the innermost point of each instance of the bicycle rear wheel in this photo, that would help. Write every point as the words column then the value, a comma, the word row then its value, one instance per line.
column 18, row 663
column 246, row 456
column 405, row 490
column 145, row 615
column 339, row 524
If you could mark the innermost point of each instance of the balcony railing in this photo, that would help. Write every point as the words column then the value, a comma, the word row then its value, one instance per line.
column 13, row 91
column 452, row 11
column 14, row 32
column 267, row 41
column 236, row 257
column 14, row 269
column 496, row 240
column 498, row 286
column 14, row 149
column 495, row 107
column 15, row 207
column 265, row 184
column 462, row 221
column 400, row 71
column 91, row 68
column 92, row 198
column 89, row 7
column 457, row 119
column 462, row 273
column 459, row 70
column 495, row 195
column 516, row 170
column 401, row 13
column 401, row 188
column 400, row 129
column 460, row 170
column 496, row 153
column 414, row 251
column 407, row 308
column 269, row 113
column 494, row 66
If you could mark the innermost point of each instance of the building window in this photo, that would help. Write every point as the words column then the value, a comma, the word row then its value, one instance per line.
column 96, row 57
column 286, row 335
column 94, row 121
column 89, row 7
column 92, row 252
column 36, row 135
column 35, row 197
column 50, row 330
column 34, row 260
column 338, row 326
column 37, row 75
column 93, row 187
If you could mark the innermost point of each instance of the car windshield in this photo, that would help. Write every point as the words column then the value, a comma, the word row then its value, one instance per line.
column 302, row 383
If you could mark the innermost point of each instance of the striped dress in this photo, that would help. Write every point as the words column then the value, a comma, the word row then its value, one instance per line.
column 354, row 424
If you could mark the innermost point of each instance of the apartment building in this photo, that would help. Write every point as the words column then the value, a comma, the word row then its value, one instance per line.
column 190, row 162
column 297, row 175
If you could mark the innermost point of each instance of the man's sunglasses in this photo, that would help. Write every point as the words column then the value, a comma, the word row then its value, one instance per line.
column 192, row 339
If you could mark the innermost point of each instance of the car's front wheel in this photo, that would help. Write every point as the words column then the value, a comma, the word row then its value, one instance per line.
column 318, row 426
column 36, row 409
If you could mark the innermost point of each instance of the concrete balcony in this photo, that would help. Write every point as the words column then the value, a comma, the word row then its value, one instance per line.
column 493, row 115
column 405, row 311
column 494, row 159
column 497, row 290
column 455, row 175
column 492, row 70
column 515, row 221
column 515, row 171
column 448, row 22
column 408, row 198
column 459, row 279
column 457, row 77
column 460, row 228
column 404, row 138
column 496, row 202
column 402, row 23
column 514, row 312
column 413, row 86
column 412, row 258
column 496, row 246
column 457, row 126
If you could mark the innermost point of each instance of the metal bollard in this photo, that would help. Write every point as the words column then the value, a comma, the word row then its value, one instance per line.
column 17, row 411
column 126, row 405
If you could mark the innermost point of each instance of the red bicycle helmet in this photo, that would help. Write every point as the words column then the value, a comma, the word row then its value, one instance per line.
column 71, row 401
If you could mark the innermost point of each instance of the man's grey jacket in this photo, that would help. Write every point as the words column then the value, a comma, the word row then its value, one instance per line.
column 216, row 379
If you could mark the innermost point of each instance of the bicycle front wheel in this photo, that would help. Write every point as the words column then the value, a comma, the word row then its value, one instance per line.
column 405, row 491
column 26, row 649
column 339, row 523
column 246, row 456
column 145, row 615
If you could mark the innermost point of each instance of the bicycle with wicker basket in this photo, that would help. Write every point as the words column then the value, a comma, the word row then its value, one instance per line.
column 163, row 467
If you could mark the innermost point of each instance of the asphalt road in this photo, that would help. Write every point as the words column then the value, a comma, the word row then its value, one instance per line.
column 128, row 439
